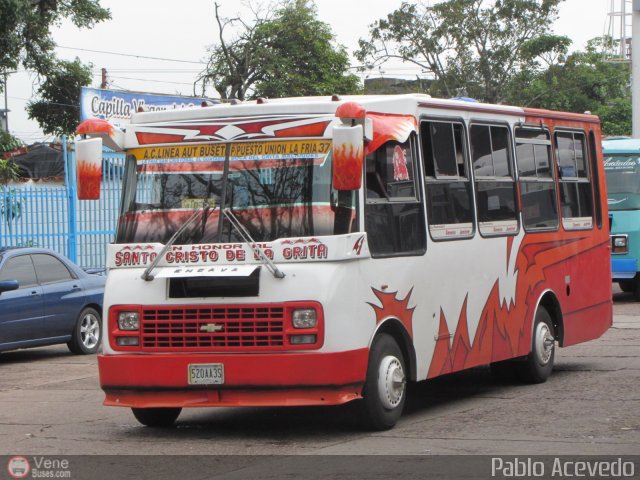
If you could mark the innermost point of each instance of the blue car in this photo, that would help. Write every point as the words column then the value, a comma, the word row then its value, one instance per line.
column 45, row 299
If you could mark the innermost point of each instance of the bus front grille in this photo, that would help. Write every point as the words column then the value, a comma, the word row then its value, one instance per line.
column 212, row 328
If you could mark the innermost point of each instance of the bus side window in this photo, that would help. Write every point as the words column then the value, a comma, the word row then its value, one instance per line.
column 537, row 185
column 593, row 155
column 448, row 186
column 576, row 197
column 394, row 216
column 495, row 180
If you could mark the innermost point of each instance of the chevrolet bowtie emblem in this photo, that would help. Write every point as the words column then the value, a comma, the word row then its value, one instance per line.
column 211, row 328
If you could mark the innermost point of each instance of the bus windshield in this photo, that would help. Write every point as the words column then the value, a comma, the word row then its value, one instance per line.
column 275, row 189
column 623, row 181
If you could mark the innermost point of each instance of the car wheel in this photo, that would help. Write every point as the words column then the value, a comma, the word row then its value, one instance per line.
column 86, row 333
column 384, row 391
column 627, row 286
column 156, row 417
column 635, row 288
column 538, row 365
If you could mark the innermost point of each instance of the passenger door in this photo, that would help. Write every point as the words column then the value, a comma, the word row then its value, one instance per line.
column 21, row 310
column 63, row 295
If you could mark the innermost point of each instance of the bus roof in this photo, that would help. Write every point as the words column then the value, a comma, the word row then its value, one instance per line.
column 621, row 145
column 394, row 104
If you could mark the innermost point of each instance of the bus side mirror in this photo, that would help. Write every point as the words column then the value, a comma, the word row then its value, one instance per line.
column 89, row 168
column 348, row 157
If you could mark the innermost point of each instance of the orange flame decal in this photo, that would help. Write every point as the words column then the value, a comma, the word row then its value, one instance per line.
column 89, row 176
column 347, row 166
column 392, row 307
column 504, row 330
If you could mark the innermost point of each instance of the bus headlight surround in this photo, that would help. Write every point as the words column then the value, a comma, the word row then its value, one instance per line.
column 304, row 318
column 619, row 244
column 129, row 321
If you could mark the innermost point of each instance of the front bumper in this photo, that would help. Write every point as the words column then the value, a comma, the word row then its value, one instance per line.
column 288, row 379
column 623, row 268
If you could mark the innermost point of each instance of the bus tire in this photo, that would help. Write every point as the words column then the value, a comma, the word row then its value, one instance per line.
column 627, row 286
column 156, row 417
column 385, row 388
column 538, row 365
column 636, row 289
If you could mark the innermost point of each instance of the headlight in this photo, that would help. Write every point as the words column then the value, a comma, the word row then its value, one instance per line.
column 620, row 242
column 129, row 321
column 304, row 318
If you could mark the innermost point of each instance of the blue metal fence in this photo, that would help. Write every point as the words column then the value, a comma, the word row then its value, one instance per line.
column 50, row 216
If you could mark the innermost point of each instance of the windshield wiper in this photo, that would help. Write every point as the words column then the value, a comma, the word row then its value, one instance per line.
column 146, row 275
column 235, row 223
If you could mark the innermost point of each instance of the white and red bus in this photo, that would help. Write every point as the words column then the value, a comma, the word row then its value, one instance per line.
column 318, row 251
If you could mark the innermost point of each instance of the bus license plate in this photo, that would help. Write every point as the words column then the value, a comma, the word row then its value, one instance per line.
column 206, row 374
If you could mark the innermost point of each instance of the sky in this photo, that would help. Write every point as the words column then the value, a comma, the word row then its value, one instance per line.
column 158, row 28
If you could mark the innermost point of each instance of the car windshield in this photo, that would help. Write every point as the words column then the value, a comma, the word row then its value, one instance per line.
column 623, row 181
column 275, row 189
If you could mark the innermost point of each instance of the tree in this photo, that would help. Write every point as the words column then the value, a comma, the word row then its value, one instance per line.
column 57, row 111
column 286, row 53
column 301, row 58
column 25, row 38
column 468, row 48
column 9, row 171
column 583, row 81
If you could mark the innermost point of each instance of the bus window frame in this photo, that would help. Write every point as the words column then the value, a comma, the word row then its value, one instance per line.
column 442, row 179
column 416, row 200
column 552, row 167
column 575, row 179
column 511, row 162
column 596, row 178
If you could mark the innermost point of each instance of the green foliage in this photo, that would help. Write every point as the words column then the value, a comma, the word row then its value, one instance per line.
column 25, row 38
column 9, row 171
column 25, row 41
column 8, row 142
column 300, row 58
column 289, row 53
column 57, row 110
column 585, row 81
column 470, row 47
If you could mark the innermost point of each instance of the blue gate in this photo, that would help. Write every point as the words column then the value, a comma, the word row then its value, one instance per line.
column 50, row 216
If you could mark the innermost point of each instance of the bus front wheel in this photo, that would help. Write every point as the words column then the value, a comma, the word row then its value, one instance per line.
column 156, row 417
column 537, row 366
column 384, row 391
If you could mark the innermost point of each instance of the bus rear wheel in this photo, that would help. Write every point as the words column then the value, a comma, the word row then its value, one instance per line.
column 384, row 391
column 156, row 417
column 538, row 365
column 631, row 286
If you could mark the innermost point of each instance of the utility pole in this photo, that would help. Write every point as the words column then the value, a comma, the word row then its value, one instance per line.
column 635, row 70
column 103, row 84
column 6, row 105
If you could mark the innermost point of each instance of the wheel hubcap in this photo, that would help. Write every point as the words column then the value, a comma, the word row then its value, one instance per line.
column 90, row 331
column 544, row 343
column 391, row 382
